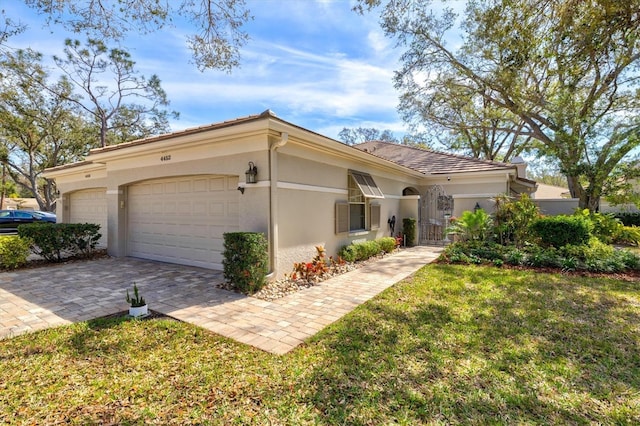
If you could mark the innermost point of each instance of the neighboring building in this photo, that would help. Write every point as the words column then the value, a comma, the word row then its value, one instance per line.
column 19, row 204
column 172, row 197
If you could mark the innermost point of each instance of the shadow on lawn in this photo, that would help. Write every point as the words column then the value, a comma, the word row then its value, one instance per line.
column 89, row 339
column 484, row 345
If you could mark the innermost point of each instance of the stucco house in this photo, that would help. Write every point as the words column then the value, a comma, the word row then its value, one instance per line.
column 172, row 197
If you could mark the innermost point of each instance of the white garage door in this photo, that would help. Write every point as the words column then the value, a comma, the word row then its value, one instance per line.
column 90, row 206
column 182, row 220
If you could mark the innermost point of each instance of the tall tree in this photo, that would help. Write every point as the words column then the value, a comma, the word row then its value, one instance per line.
column 121, row 101
column 365, row 134
column 39, row 129
column 218, row 24
column 464, row 121
column 565, row 69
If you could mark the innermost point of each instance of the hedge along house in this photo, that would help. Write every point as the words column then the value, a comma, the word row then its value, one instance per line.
column 172, row 197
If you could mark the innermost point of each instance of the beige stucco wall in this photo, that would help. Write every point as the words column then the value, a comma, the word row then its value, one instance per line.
column 309, row 185
column 469, row 190
column 311, row 173
column 223, row 158
column 553, row 207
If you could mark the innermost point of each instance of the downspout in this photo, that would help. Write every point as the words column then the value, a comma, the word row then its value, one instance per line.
column 273, row 203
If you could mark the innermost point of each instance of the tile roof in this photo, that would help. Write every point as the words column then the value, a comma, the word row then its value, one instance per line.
column 193, row 130
column 427, row 161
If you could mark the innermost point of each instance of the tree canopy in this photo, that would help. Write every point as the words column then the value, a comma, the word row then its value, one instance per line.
column 218, row 25
column 99, row 99
column 563, row 73
column 121, row 101
column 40, row 128
column 364, row 134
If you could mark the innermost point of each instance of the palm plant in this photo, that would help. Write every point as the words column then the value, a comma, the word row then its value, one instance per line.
column 472, row 225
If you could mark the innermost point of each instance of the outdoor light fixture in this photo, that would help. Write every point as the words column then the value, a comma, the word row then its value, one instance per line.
column 477, row 207
column 251, row 173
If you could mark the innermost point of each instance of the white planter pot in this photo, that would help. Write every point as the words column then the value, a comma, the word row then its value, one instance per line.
column 140, row 311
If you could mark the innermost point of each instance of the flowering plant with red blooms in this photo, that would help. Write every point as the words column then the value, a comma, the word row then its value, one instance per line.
column 317, row 268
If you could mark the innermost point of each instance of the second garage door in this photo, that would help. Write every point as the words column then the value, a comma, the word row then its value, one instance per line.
column 90, row 206
column 182, row 220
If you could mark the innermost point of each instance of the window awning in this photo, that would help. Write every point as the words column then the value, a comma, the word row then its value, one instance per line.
column 367, row 185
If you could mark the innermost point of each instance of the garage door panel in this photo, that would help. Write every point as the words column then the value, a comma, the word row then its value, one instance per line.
column 233, row 209
column 201, row 185
column 90, row 206
column 189, row 217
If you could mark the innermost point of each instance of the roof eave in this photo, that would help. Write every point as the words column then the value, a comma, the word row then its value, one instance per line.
column 65, row 169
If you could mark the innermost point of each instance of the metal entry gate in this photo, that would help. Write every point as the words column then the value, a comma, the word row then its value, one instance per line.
column 435, row 210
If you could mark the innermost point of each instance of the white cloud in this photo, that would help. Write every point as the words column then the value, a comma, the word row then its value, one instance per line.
column 317, row 64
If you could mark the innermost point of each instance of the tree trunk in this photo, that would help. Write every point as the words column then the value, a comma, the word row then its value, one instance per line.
column 586, row 199
column 576, row 191
column 103, row 132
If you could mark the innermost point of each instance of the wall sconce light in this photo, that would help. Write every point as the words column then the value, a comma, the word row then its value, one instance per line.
column 477, row 207
column 251, row 173
column 241, row 189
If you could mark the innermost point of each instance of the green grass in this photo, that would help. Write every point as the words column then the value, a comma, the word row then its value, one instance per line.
column 453, row 344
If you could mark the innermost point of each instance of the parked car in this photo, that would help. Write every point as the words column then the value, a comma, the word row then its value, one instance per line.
column 10, row 219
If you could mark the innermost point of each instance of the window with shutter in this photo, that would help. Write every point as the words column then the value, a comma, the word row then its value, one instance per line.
column 357, row 214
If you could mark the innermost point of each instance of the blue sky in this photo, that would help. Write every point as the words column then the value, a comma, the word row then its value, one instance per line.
column 315, row 63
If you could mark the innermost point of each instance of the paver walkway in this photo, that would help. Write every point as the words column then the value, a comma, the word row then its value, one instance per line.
column 38, row 298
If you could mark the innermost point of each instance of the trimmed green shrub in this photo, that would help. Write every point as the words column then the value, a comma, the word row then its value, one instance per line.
column 349, row 253
column 409, row 230
column 14, row 252
column 55, row 241
column 368, row 249
column 558, row 231
column 245, row 260
column 628, row 218
column 364, row 250
column 387, row 244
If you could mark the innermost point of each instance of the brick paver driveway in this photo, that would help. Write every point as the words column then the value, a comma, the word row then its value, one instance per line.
column 38, row 298
column 42, row 297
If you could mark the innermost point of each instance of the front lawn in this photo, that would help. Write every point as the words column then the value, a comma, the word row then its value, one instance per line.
column 452, row 344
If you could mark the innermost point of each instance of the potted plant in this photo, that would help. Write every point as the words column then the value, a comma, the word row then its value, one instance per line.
column 137, row 305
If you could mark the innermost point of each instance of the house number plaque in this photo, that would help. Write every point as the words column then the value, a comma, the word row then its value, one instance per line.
column 165, row 157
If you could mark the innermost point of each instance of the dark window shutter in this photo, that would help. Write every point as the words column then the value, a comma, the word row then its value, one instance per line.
column 342, row 217
column 375, row 217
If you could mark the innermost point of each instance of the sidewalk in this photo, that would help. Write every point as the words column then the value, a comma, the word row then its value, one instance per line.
column 279, row 326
